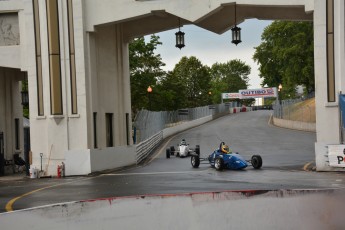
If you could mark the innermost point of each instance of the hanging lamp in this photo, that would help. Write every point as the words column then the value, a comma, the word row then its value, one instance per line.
column 236, row 32
column 179, row 37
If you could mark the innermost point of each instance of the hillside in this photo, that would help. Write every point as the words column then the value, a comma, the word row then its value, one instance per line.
column 301, row 111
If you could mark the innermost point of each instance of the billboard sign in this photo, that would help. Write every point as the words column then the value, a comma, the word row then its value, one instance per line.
column 258, row 93
column 230, row 95
column 336, row 155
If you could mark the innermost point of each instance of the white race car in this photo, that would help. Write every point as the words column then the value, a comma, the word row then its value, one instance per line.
column 182, row 150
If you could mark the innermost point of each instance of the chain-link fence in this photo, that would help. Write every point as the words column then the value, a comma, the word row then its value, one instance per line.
column 149, row 123
column 303, row 113
column 292, row 110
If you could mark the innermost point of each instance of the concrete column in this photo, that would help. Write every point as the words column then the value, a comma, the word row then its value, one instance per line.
column 327, row 120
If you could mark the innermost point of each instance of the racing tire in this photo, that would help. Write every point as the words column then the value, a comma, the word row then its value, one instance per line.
column 195, row 161
column 256, row 161
column 197, row 150
column 168, row 153
column 172, row 150
column 219, row 164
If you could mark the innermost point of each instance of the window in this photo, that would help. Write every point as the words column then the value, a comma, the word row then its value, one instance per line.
column 127, row 128
column 54, row 57
column 16, row 133
column 109, row 129
column 72, row 57
column 38, row 58
column 2, row 147
column 95, row 130
column 330, row 51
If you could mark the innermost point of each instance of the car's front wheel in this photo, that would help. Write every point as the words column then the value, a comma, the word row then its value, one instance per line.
column 195, row 161
column 256, row 161
column 219, row 164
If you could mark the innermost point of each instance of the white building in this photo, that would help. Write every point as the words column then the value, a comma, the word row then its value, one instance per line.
column 75, row 54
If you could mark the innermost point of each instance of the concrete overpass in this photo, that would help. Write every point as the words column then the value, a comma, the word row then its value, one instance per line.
column 75, row 55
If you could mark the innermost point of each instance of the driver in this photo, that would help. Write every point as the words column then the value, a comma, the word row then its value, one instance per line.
column 183, row 142
column 224, row 149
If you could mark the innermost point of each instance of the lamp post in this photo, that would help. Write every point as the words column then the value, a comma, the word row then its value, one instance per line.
column 280, row 87
column 210, row 96
column 149, row 91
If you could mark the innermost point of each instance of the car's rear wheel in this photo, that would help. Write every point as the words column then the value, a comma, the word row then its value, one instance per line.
column 195, row 161
column 168, row 153
column 256, row 161
column 219, row 164
column 172, row 150
column 197, row 150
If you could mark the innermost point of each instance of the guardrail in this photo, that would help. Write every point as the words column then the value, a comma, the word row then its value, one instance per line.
column 145, row 147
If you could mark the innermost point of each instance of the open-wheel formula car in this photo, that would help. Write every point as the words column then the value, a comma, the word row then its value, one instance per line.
column 182, row 150
column 222, row 158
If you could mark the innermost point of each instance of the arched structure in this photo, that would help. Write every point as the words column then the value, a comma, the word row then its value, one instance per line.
column 75, row 54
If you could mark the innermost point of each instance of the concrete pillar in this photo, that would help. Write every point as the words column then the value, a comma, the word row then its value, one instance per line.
column 327, row 119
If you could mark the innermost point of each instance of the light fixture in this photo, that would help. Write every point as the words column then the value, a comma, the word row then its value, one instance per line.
column 236, row 32
column 24, row 92
column 179, row 37
column 149, row 89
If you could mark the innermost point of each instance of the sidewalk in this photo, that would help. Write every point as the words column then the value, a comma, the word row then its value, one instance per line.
column 13, row 177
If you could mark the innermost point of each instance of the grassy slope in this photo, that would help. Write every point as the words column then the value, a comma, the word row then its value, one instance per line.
column 302, row 111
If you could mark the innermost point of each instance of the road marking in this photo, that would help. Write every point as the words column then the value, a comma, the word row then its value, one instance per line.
column 269, row 120
column 151, row 173
column 305, row 167
column 9, row 205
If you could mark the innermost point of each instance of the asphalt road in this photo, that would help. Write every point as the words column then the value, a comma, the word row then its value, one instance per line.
column 285, row 153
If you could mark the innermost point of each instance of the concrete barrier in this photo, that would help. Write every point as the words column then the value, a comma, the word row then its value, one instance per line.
column 297, row 125
column 292, row 209
column 167, row 132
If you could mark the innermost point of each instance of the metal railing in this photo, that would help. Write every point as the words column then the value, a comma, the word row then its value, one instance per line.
column 148, row 123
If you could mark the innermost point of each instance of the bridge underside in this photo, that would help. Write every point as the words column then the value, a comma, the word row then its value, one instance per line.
column 219, row 19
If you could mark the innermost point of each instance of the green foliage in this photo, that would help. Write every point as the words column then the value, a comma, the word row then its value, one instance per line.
column 228, row 78
column 190, row 84
column 193, row 82
column 25, row 108
column 286, row 56
column 145, row 69
column 26, row 112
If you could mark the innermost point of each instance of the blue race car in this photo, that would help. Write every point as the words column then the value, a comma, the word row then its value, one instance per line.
column 222, row 158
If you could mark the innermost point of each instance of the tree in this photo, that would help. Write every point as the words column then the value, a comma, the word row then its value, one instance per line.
column 228, row 78
column 145, row 69
column 192, row 81
column 286, row 56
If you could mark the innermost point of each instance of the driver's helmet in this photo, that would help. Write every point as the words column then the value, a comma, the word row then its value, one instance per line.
column 183, row 142
column 225, row 148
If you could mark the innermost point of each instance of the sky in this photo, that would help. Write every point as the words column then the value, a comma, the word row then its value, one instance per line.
column 210, row 48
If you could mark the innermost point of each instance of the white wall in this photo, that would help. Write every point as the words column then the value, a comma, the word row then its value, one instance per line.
column 84, row 162
column 296, row 209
